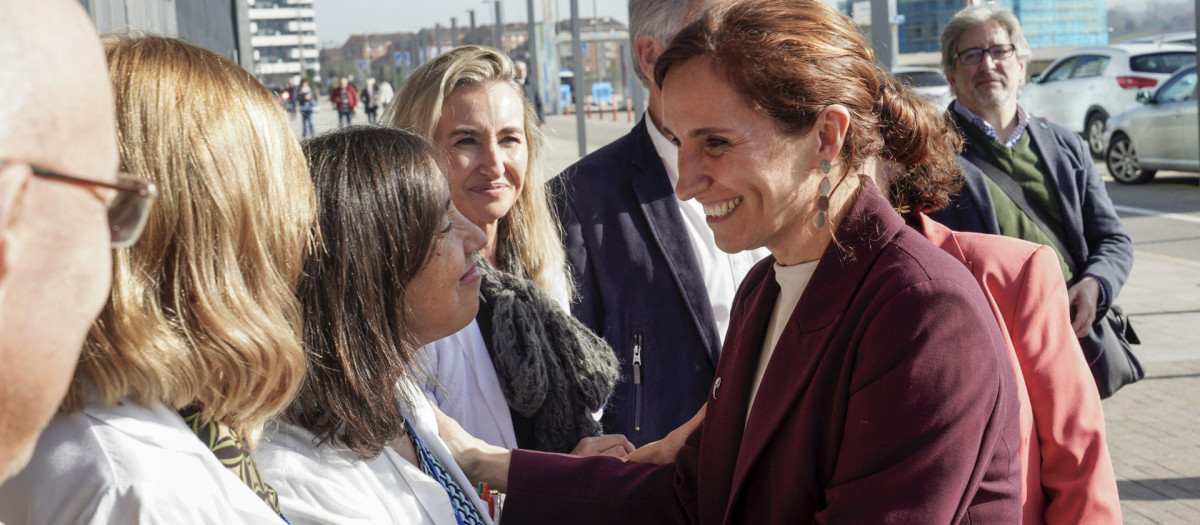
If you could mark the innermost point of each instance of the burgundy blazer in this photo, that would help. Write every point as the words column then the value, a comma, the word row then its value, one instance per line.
column 889, row 399
column 1068, row 475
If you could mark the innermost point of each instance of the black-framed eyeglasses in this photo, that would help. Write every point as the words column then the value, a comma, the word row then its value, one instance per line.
column 128, row 208
column 974, row 55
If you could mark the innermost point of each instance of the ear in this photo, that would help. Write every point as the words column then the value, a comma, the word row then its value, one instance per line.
column 831, row 126
column 15, row 178
column 647, row 50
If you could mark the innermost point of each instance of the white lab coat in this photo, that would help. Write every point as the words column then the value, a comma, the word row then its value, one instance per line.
column 128, row 463
column 329, row 484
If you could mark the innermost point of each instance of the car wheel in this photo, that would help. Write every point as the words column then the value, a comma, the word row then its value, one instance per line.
column 1122, row 162
column 1094, row 132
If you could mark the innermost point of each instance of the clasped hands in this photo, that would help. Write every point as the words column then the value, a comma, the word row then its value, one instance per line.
column 485, row 462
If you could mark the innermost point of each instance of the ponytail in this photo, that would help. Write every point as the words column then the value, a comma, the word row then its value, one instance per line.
column 924, row 142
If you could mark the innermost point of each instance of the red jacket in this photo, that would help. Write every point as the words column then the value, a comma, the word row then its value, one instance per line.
column 1068, row 475
column 346, row 100
column 890, row 398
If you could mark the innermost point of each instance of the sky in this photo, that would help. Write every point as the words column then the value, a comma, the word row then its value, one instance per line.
column 338, row 19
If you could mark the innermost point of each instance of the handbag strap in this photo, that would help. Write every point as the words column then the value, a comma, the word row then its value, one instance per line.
column 1014, row 192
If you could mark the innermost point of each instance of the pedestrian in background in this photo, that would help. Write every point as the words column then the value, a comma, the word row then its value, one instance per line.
column 199, row 343
column 306, row 99
column 370, row 99
column 385, row 94
column 345, row 99
column 530, row 90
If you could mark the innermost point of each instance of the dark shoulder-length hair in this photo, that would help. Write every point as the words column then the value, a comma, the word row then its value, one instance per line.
column 382, row 205
column 790, row 59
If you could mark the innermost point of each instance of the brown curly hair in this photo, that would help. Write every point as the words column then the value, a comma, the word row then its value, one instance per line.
column 790, row 59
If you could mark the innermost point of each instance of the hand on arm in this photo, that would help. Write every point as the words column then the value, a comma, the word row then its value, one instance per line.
column 1083, row 296
column 614, row 445
column 664, row 450
column 479, row 460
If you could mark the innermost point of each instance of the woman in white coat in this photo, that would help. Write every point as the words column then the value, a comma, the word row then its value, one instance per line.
column 199, row 343
column 397, row 271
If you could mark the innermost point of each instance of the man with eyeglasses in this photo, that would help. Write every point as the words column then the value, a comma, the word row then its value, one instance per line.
column 62, row 208
column 1011, row 155
column 1027, row 178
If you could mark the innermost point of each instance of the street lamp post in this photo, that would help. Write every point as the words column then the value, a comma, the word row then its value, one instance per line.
column 577, row 65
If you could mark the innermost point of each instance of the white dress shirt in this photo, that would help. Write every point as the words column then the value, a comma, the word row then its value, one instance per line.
column 722, row 272
column 330, row 484
column 463, row 384
column 128, row 463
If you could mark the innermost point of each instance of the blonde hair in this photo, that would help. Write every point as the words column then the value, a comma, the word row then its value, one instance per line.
column 202, row 308
column 528, row 241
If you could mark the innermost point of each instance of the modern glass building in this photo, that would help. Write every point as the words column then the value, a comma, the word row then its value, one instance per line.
column 1046, row 23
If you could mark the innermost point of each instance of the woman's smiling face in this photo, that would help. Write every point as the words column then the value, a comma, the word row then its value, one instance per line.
column 443, row 296
column 482, row 132
column 752, row 180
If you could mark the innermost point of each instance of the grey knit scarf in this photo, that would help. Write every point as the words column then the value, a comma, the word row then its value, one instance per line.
column 551, row 367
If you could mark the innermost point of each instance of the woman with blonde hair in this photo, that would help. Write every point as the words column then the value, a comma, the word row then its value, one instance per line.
column 199, row 343
column 525, row 373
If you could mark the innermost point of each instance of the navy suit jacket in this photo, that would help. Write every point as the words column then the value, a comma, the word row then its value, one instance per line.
column 889, row 398
column 1096, row 239
column 638, row 279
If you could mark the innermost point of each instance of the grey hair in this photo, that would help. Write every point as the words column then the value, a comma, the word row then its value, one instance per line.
column 657, row 19
column 976, row 16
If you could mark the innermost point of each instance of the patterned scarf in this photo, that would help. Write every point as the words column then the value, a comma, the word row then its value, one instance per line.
column 464, row 510
column 226, row 446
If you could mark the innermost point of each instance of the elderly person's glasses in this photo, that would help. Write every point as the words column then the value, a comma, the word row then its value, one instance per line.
column 974, row 55
column 128, row 207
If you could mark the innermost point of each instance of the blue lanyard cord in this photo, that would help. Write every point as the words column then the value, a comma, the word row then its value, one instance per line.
column 464, row 509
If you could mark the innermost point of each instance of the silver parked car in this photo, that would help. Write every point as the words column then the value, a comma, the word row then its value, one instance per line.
column 1082, row 89
column 1159, row 135
column 930, row 83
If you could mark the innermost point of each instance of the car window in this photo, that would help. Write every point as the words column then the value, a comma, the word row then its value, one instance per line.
column 921, row 78
column 1160, row 62
column 1180, row 88
column 1089, row 66
column 1060, row 72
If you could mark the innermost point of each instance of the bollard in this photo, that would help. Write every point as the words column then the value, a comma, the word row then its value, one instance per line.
column 589, row 111
column 629, row 112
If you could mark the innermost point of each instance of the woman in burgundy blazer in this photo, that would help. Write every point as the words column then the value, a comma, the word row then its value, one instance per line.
column 883, row 394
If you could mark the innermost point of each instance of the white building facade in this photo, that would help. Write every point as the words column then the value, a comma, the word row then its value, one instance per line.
column 284, row 39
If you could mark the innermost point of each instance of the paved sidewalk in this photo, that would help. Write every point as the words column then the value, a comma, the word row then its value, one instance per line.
column 1154, row 425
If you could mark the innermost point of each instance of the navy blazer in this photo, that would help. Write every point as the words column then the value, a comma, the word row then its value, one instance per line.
column 638, row 279
column 889, row 399
column 1096, row 239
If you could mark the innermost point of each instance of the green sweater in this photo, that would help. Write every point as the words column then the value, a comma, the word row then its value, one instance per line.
column 1024, row 164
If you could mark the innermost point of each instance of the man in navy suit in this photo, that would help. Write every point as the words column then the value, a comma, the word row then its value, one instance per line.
column 650, row 278
column 984, row 56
